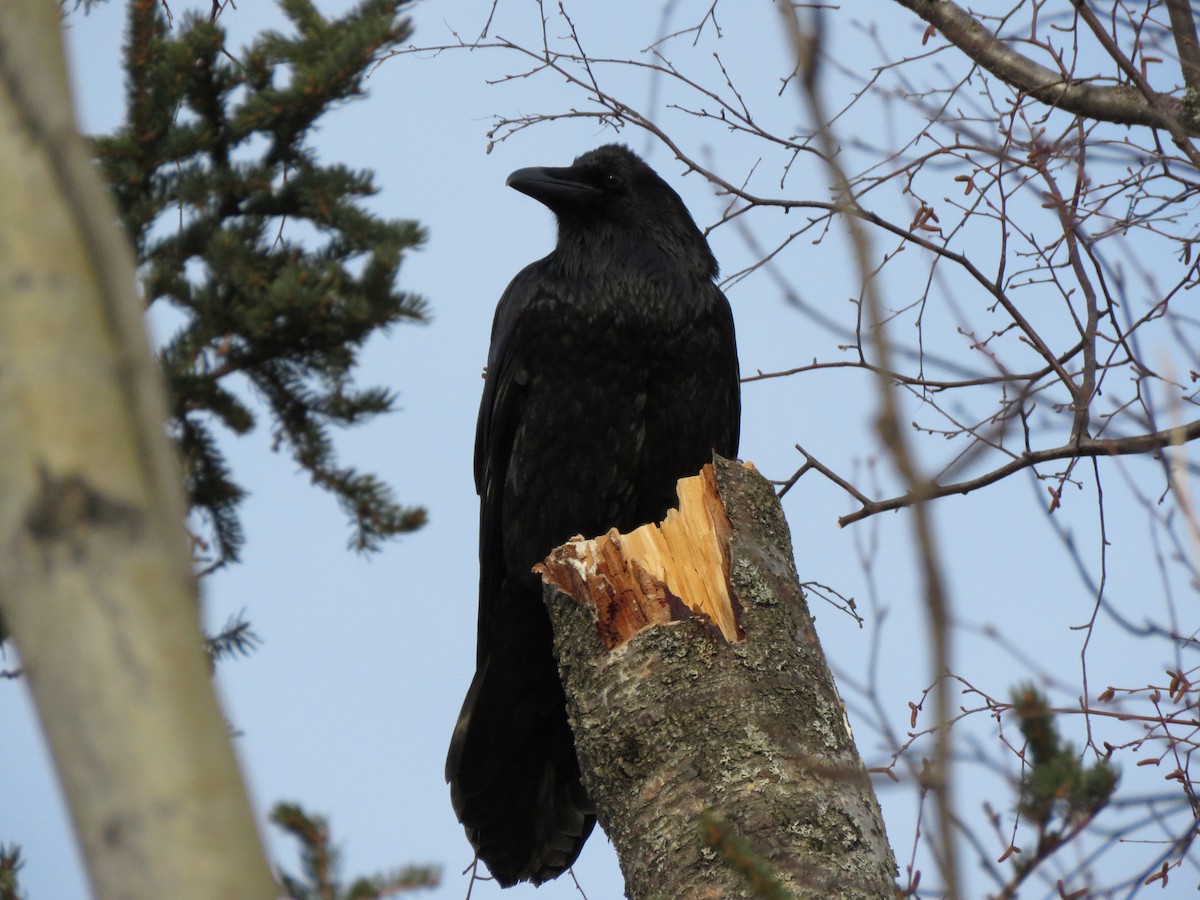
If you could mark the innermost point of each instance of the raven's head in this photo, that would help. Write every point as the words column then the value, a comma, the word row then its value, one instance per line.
column 612, row 188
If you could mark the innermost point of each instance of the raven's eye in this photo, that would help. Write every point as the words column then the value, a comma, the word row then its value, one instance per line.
column 612, row 179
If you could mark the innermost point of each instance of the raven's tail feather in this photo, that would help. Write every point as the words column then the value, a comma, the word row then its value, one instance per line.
column 514, row 776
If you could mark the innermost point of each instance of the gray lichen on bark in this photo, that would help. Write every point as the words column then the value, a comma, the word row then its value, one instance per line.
column 678, row 722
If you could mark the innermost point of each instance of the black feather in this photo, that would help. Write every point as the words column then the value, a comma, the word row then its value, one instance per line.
column 612, row 374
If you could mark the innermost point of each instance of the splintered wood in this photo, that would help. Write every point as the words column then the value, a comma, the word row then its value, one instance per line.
column 677, row 569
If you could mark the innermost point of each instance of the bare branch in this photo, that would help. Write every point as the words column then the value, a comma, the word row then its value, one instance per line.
column 1172, row 111
column 1089, row 447
column 1183, row 28
column 1120, row 105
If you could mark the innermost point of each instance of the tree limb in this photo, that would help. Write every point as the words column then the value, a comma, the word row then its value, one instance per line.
column 1183, row 29
column 95, row 573
column 1087, row 447
column 1122, row 105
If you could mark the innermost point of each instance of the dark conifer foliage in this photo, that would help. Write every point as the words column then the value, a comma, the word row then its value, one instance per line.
column 10, row 864
column 321, row 864
column 275, row 268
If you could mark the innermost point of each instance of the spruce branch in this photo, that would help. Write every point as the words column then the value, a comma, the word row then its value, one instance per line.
column 236, row 638
column 278, row 270
column 10, row 864
column 320, row 863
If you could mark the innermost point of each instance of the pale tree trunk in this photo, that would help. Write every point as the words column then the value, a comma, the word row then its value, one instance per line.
column 96, row 585
column 713, row 740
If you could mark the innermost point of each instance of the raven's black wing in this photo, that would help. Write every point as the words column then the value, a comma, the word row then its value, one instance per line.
column 601, row 393
column 512, row 766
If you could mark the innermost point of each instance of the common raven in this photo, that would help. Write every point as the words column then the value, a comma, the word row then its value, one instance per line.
column 612, row 373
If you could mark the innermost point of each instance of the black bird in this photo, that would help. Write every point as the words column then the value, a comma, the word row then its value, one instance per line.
column 612, row 373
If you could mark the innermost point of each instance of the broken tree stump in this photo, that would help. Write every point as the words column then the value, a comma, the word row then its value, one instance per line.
column 698, row 692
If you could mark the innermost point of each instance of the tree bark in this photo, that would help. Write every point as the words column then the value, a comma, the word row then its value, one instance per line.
column 719, row 760
column 96, row 581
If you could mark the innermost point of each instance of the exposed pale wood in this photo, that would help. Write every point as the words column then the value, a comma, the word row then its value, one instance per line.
column 666, row 572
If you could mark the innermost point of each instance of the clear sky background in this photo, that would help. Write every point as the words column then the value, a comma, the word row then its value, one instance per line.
column 348, row 706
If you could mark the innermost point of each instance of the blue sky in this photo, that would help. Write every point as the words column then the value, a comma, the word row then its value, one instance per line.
column 348, row 706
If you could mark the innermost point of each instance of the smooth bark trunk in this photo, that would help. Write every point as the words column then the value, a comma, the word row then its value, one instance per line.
column 96, row 585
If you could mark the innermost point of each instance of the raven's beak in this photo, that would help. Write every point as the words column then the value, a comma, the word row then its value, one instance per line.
column 553, row 187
